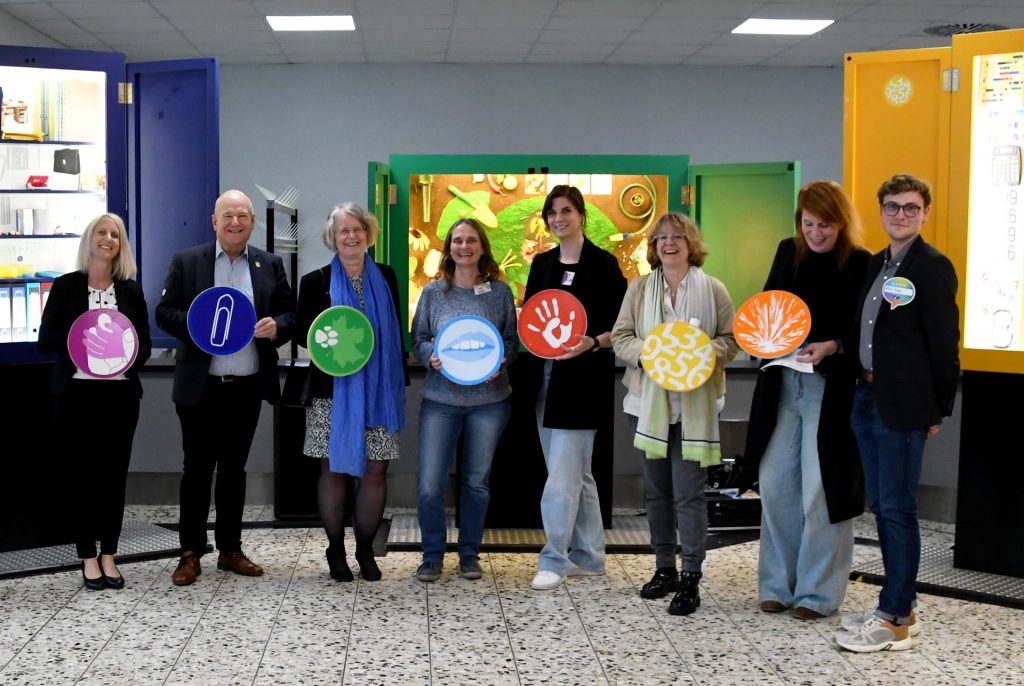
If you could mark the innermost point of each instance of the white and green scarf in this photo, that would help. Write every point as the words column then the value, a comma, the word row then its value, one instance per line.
column 701, row 441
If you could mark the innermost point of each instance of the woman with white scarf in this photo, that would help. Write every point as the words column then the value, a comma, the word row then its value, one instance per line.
column 677, row 433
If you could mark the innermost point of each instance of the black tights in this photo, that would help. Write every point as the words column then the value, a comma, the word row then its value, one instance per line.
column 370, row 494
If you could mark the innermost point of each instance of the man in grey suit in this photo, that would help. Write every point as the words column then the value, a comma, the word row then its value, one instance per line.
column 218, row 398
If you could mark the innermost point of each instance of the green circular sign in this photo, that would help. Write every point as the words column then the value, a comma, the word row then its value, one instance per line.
column 340, row 340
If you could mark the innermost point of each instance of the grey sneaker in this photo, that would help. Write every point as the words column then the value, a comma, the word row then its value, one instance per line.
column 853, row 623
column 469, row 568
column 876, row 634
column 430, row 570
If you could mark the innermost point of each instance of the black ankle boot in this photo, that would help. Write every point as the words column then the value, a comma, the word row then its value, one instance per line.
column 338, row 565
column 664, row 581
column 687, row 600
column 368, row 568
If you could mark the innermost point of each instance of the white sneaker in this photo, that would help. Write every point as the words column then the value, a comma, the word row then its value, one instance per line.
column 576, row 570
column 876, row 634
column 853, row 623
column 546, row 581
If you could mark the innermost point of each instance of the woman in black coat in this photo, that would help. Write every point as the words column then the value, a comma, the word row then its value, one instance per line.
column 811, row 482
column 576, row 392
column 97, row 414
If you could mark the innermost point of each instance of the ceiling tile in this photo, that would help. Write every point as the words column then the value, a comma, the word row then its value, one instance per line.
column 493, row 36
column 572, row 49
column 159, row 39
column 564, row 59
column 595, row 23
column 205, row 23
column 103, row 10
column 214, row 38
column 707, row 10
column 1007, row 16
column 133, row 24
column 625, row 58
column 181, row 9
column 476, row 47
column 312, row 7
column 484, row 59
column 694, row 24
column 910, row 13
column 404, row 7
column 671, row 38
column 399, row 22
column 583, row 37
column 797, row 10
column 32, row 11
column 490, row 22
column 156, row 53
column 878, row 28
column 405, row 35
column 606, row 8
column 505, row 8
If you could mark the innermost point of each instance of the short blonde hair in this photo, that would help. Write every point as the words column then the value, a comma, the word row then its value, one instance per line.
column 691, row 233
column 368, row 221
column 124, row 263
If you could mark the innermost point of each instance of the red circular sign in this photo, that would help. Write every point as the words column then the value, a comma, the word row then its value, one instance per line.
column 550, row 320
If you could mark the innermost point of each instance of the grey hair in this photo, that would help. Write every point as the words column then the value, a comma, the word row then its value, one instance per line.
column 368, row 221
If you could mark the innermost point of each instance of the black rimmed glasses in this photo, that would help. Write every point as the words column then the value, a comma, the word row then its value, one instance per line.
column 910, row 210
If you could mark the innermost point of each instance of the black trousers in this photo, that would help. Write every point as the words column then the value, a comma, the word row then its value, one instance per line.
column 217, row 433
column 97, row 420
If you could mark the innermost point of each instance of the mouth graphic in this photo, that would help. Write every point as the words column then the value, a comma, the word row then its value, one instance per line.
column 471, row 346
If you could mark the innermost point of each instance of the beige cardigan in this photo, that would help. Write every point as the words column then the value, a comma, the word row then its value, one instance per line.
column 628, row 345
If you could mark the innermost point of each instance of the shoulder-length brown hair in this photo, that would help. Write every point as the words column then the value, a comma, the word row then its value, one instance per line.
column 489, row 270
column 828, row 201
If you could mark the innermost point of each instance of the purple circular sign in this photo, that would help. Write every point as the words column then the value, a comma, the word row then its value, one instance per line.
column 103, row 343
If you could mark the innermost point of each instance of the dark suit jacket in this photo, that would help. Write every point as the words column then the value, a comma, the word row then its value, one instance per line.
column 69, row 298
column 314, row 298
column 191, row 273
column 915, row 355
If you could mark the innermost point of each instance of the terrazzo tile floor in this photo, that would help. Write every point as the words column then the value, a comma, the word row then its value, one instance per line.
column 296, row 626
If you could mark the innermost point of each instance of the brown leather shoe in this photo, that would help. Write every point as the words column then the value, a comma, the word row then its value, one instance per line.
column 237, row 562
column 188, row 569
column 771, row 606
column 806, row 613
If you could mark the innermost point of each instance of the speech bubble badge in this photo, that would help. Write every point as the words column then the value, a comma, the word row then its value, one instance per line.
column 772, row 324
column 470, row 349
column 221, row 320
column 103, row 343
column 898, row 291
column 340, row 341
column 678, row 356
column 550, row 319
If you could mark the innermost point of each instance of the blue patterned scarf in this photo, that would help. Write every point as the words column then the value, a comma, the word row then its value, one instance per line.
column 375, row 395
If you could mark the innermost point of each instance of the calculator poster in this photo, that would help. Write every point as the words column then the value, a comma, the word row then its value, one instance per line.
column 994, row 312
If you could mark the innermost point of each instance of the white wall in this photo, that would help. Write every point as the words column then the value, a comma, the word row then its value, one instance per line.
column 316, row 126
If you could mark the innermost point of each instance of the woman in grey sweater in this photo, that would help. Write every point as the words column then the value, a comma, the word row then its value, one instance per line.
column 468, row 285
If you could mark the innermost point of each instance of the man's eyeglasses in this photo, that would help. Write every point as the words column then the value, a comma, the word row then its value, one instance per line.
column 910, row 210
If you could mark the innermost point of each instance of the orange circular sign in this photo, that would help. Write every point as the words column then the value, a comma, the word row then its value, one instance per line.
column 549, row 320
column 772, row 324
column 678, row 356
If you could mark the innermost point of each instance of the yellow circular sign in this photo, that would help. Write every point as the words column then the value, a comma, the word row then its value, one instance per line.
column 678, row 356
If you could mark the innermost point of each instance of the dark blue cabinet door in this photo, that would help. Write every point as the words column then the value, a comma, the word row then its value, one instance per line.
column 174, row 166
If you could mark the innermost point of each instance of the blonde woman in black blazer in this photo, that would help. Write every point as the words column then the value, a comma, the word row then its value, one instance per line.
column 97, row 417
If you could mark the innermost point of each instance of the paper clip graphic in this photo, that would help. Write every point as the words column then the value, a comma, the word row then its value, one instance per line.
column 222, row 321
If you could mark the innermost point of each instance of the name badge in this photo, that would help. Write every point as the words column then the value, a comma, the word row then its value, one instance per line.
column 481, row 288
column 567, row 278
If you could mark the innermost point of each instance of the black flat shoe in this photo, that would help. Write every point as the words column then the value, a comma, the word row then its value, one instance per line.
column 338, row 565
column 687, row 600
column 96, row 584
column 368, row 568
column 664, row 581
column 114, row 582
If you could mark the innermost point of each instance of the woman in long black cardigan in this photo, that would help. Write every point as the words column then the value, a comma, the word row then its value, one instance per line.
column 811, row 481
column 97, row 417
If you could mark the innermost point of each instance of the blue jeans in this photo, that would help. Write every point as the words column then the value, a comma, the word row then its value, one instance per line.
column 569, row 506
column 805, row 560
column 440, row 426
column 892, row 469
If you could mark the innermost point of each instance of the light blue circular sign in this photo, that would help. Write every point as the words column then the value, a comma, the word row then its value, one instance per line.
column 221, row 320
column 470, row 349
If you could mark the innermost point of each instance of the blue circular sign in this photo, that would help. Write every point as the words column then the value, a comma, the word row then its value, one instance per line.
column 221, row 320
column 470, row 349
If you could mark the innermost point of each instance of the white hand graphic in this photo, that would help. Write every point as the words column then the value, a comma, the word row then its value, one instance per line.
column 108, row 346
column 552, row 321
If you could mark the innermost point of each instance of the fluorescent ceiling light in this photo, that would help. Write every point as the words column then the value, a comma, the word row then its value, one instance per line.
column 341, row 22
column 783, row 27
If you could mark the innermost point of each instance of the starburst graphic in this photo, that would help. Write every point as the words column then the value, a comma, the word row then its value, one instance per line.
column 772, row 324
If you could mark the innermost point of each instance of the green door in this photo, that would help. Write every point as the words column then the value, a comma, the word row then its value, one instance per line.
column 744, row 210
column 378, row 194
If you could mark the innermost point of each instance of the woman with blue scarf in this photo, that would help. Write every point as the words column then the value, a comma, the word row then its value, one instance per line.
column 354, row 422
